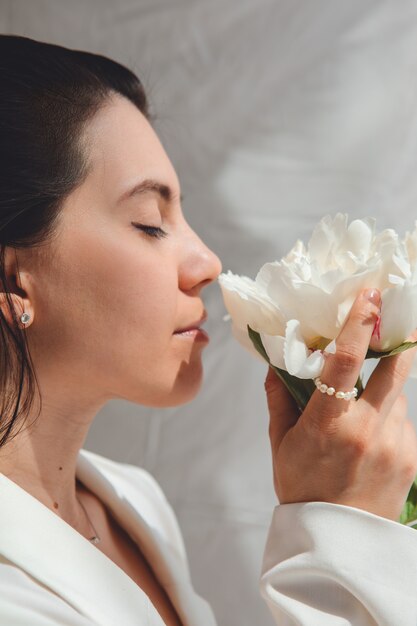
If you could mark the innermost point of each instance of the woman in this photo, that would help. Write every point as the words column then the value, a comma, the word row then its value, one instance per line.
column 101, row 278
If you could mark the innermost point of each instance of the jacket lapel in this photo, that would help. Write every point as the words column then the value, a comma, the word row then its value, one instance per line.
column 145, row 519
column 50, row 550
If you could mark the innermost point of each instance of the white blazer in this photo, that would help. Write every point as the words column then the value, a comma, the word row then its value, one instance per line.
column 323, row 565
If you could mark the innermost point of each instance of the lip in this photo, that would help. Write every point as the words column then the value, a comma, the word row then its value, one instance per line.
column 193, row 326
column 196, row 334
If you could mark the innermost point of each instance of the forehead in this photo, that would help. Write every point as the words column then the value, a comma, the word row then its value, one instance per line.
column 123, row 147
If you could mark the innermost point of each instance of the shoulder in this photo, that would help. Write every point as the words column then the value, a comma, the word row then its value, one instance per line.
column 126, row 476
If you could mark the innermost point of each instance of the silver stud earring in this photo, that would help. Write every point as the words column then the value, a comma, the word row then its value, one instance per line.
column 25, row 317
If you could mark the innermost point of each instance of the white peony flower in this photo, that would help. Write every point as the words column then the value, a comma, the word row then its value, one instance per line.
column 299, row 304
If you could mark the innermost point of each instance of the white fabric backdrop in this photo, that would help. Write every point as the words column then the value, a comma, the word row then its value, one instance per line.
column 274, row 112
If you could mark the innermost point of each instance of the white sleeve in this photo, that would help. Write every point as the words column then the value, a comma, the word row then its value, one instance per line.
column 332, row 565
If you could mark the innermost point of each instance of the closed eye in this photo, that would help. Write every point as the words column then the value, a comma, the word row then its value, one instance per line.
column 152, row 231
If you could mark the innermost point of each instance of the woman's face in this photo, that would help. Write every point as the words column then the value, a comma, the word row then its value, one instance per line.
column 107, row 306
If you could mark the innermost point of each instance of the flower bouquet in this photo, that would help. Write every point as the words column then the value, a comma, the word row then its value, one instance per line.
column 291, row 314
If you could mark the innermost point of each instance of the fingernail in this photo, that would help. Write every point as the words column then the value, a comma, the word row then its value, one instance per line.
column 373, row 295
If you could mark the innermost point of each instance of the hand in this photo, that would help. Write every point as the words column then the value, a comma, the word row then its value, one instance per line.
column 361, row 453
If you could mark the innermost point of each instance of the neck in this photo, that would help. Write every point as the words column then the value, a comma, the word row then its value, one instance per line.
column 42, row 457
column 47, row 474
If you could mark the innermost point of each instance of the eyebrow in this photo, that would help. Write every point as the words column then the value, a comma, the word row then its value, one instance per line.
column 163, row 190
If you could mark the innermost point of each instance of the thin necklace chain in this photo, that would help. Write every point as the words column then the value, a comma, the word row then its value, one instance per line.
column 95, row 539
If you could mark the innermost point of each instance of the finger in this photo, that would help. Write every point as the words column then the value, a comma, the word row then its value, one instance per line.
column 388, row 378
column 342, row 369
column 283, row 410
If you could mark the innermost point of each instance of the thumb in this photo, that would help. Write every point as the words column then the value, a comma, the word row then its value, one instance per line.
column 283, row 410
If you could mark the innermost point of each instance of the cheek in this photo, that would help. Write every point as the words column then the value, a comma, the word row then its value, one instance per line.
column 121, row 295
column 145, row 363
column 149, row 297
column 139, row 298
column 114, row 309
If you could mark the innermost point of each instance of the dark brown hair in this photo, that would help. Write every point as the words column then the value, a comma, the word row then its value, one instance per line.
column 47, row 95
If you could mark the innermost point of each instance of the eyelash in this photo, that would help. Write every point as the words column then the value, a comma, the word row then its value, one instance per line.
column 151, row 231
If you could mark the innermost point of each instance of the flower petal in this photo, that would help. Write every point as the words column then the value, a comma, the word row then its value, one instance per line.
column 298, row 360
column 247, row 303
column 398, row 316
column 331, row 347
column 274, row 347
column 313, row 367
column 245, row 341
column 327, row 235
column 359, row 237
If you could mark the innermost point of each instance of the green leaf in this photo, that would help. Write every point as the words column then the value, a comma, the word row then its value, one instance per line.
column 372, row 354
column 409, row 512
column 257, row 342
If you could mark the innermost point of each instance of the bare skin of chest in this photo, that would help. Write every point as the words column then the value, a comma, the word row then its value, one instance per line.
column 121, row 549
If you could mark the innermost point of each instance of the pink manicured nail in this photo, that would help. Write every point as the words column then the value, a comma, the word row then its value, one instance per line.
column 373, row 295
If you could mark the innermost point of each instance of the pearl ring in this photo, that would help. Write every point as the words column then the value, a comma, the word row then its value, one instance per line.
column 331, row 391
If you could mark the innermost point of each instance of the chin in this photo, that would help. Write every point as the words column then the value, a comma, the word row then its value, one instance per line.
column 185, row 387
column 172, row 400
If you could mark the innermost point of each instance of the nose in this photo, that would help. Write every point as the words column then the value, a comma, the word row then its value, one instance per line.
column 199, row 266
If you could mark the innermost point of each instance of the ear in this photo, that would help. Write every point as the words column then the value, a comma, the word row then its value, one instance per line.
column 17, row 282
